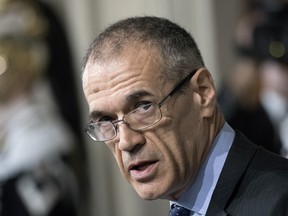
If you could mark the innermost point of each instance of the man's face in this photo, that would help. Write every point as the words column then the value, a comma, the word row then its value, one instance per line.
column 161, row 161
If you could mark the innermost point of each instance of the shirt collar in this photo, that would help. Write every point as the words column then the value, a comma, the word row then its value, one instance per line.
column 198, row 195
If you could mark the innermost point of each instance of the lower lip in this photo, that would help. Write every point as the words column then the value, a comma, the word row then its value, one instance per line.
column 145, row 174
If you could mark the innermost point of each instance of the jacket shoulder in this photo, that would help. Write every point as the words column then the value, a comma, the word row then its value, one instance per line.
column 263, row 188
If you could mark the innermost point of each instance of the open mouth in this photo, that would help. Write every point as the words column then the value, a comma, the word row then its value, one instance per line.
column 142, row 166
column 143, row 171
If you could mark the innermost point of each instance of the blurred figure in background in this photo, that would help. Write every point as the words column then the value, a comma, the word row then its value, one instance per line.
column 35, row 180
column 271, row 51
column 259, row 83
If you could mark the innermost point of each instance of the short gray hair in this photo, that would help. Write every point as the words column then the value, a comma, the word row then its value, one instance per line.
column 178, row 50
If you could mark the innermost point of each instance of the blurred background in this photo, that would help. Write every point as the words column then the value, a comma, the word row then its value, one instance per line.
column 42, row 43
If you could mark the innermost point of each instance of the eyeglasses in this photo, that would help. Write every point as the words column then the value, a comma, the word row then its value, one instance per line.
column 138, row 119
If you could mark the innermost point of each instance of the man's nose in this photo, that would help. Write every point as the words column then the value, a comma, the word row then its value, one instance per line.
column 129, row 140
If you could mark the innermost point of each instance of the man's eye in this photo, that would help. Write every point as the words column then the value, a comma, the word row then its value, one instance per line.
column 145, row 108
column 145, row 105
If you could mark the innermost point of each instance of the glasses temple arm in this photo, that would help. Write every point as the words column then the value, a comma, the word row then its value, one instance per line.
column 181, row 84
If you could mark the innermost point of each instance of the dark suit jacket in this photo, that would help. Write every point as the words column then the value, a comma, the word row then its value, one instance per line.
column 253, row 182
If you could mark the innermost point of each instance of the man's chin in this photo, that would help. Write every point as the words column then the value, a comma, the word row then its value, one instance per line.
column 149, row 195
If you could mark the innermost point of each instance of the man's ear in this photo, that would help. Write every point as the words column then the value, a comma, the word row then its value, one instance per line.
column 204, row 89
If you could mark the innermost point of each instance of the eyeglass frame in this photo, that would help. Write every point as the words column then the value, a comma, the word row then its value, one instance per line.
column 160, row 104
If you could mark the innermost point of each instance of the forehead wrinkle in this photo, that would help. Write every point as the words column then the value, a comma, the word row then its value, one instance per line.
column 119, row 82
column 100, row 86
column 109, row 83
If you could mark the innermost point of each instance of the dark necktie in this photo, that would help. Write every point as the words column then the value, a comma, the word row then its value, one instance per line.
column 179, row 211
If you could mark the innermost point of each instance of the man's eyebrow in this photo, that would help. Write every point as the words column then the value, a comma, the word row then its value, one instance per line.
column 134, row 96
column 95, row 114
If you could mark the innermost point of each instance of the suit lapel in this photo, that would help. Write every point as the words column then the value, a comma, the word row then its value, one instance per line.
column 238, row 159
